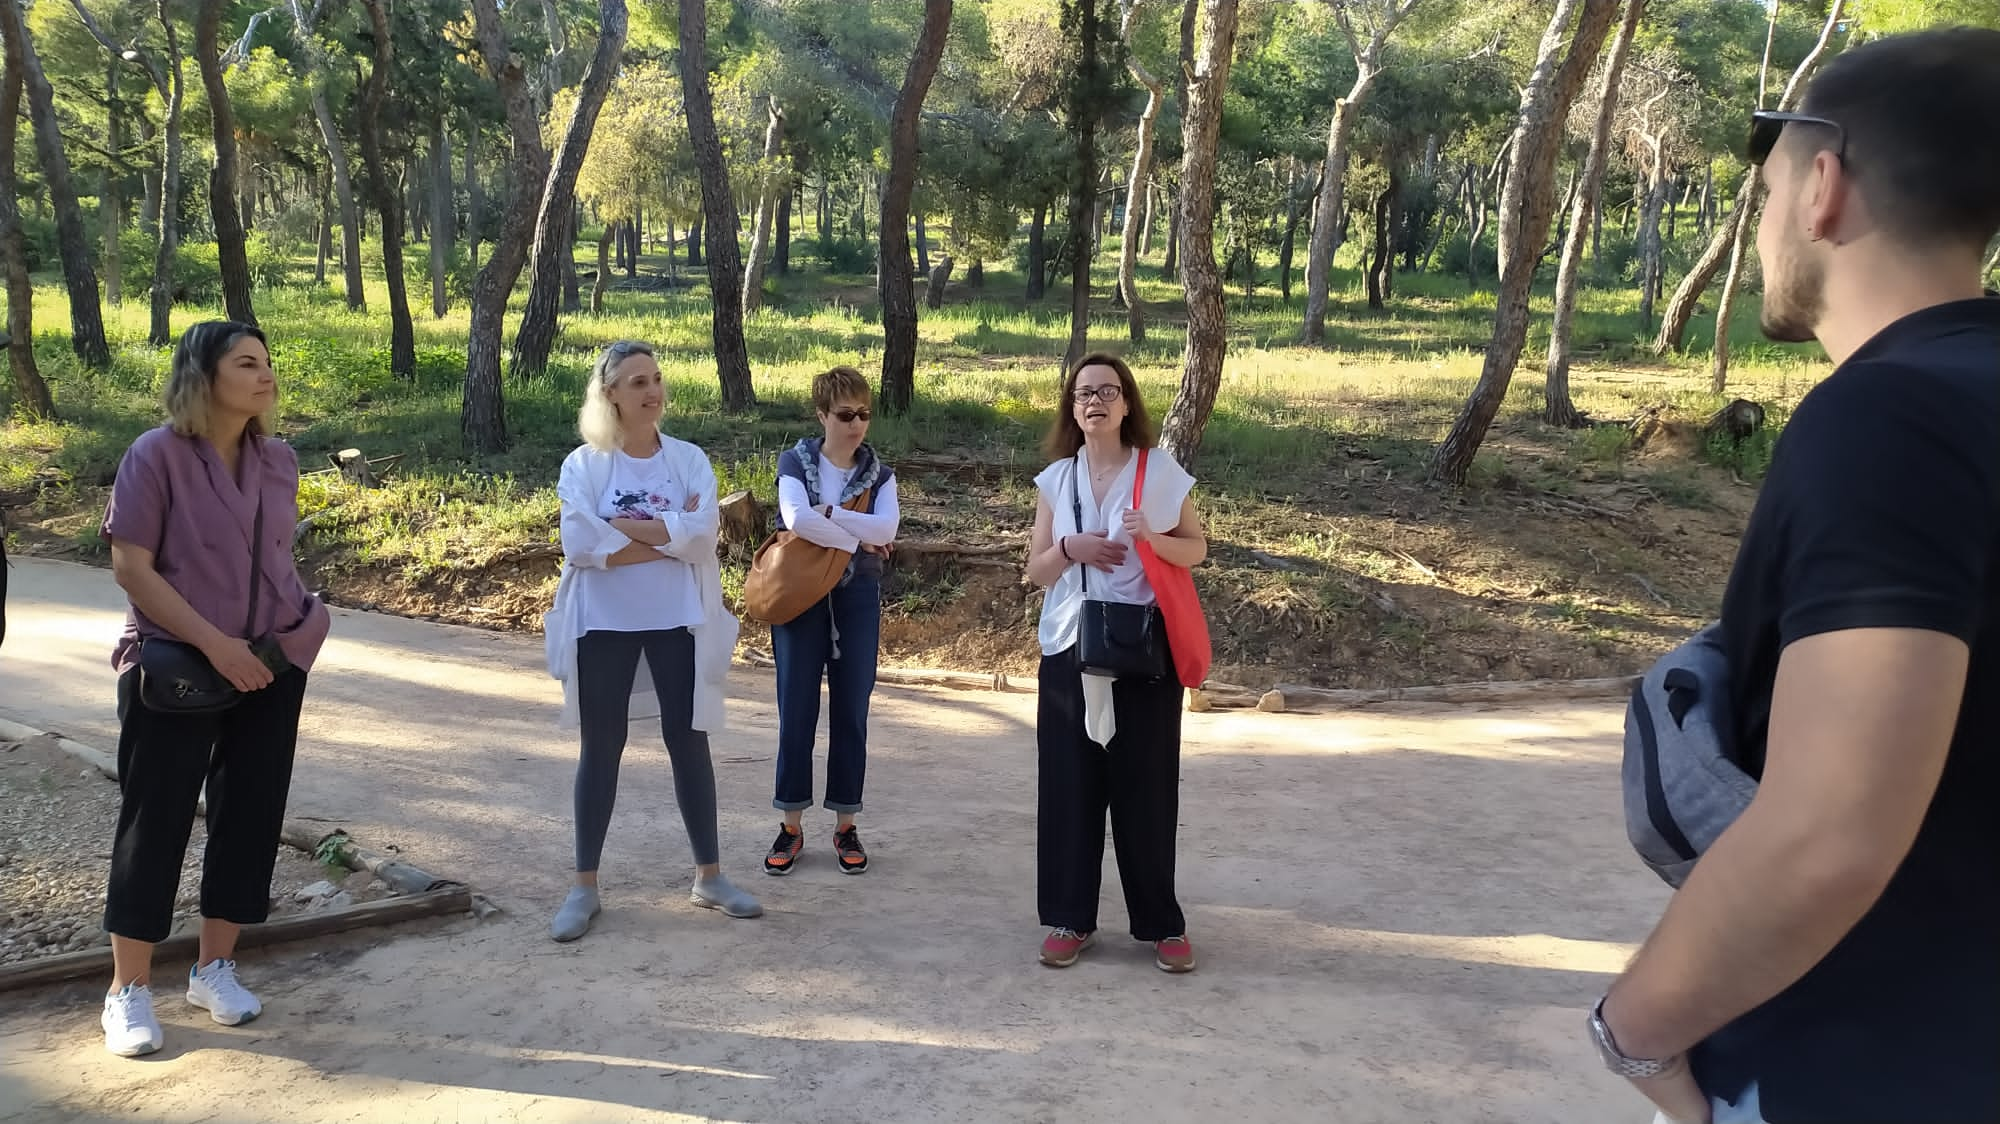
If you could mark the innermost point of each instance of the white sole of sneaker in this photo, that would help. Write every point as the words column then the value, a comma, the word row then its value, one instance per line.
column 139, row 1051
column 219, row 1018
column 697, row 899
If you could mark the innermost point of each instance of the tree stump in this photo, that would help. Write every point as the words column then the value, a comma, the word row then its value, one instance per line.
column 1738, row 420
column 934, row 285
column 354, row 468
column 743, row 521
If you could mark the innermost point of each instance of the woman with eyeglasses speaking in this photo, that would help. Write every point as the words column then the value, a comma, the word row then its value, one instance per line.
column 639, row 619
column 835, row 492
column 1108, row 724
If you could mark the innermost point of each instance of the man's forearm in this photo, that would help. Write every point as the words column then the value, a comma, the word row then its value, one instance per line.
column 1766, row 903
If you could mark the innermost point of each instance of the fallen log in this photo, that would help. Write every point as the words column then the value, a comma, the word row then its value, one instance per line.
column 1292, row 698
column 448, row 899
column 1220, row 696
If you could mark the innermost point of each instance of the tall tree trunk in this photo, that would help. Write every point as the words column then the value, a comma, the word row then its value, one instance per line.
column 1170, row 269
column 694, row 242
column 775, row 188
column 1138, row 185
column 1388, row 206
column 31, row 391
column 718, row 205
column 1725, row 307
column 226, row 174
column 554, row 243
column 1558, row 408
column 572, row 292
column 602, row 285
column 1680, row 310
column 634, row 242
column 175, row 94
column 1526, row 207
column 1326, row 216
column 475, row 195
column 898, row 288
column 111, row 211
column 388, row 199
column 1208, row 327
column 323, row 190
column 441, row 233
column 86, row 316
column 1085, row 104
column 483, row 417
column 1651, row 248
column 923, row 246
column 781, row 255
column 1038, row 251
column 149, row 211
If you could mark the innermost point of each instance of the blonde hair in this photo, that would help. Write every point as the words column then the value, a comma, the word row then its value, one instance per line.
column 841, row 384
column 190, row 392
column 597, row 421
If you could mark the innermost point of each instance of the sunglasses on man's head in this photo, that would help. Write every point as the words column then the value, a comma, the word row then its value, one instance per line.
column 1767, row 125
column 848, row 416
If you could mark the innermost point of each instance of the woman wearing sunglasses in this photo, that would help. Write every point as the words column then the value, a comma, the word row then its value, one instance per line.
column 1106, row 743
column 639, row 626
column 834, row 491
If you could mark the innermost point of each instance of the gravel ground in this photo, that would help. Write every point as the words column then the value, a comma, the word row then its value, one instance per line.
column 57, row 816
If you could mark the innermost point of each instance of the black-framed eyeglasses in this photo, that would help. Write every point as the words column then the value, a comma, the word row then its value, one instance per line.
column 1767, row 125
column 1106, row 393
column 847, row 417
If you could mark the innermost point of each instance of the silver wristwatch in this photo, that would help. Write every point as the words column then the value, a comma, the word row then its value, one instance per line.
column 1616, row 1061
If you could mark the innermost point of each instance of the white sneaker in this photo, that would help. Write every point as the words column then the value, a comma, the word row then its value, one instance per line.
column 214, row 988
column 129, row 1026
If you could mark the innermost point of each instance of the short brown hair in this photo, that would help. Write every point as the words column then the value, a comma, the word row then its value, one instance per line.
column 842, row 384
column 1066, row 437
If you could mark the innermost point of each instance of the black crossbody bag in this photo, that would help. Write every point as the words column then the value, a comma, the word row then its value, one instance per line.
column 174, row 677
column 1114, row 638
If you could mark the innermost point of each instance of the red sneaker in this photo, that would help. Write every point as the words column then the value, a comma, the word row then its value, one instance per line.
column 1063, row 946
column 1174, row 954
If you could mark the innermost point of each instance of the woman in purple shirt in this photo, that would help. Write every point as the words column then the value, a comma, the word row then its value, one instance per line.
column 189, row 499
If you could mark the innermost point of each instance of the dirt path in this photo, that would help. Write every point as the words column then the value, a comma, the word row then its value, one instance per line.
column 1401, row 916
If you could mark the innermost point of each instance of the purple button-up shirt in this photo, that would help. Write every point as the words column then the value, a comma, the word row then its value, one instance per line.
column 174, row 496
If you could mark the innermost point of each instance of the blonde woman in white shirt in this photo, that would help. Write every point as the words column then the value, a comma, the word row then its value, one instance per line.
column 639, row 619
column 1106, row 744
column 839, row 637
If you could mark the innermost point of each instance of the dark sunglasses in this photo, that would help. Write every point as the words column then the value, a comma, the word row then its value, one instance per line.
column 847, row 416
column 1767, row 125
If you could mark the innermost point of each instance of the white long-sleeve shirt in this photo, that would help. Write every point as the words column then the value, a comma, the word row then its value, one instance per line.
column 844, row 529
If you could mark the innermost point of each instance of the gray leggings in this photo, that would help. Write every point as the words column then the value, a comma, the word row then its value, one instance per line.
column 605, row 665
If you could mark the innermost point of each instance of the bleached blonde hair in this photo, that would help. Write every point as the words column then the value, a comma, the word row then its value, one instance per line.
column 190, row 392
column 597, row 422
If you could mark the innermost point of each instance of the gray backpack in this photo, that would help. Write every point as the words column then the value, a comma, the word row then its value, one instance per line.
column 1683, row 787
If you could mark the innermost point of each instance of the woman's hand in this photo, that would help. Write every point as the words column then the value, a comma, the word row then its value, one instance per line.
column 234, row 661
column 1136, row 525
column 1094, row 549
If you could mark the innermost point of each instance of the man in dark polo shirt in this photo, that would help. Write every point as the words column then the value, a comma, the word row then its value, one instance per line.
column 1835, row 956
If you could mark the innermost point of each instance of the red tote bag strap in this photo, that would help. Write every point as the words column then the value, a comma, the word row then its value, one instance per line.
column 1180, row 606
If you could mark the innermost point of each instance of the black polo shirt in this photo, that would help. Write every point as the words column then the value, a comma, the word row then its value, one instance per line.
column 1882, row 510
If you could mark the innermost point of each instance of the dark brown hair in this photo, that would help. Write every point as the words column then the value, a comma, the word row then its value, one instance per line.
column 1066, row 437
column 1921, row 114
column 842, row 384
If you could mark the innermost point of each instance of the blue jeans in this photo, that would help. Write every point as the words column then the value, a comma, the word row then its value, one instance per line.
column 838, row 638
column 1746, row 1110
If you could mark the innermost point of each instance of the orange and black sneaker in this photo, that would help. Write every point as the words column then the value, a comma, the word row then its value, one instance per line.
column 785, row 850
column 847, row 845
